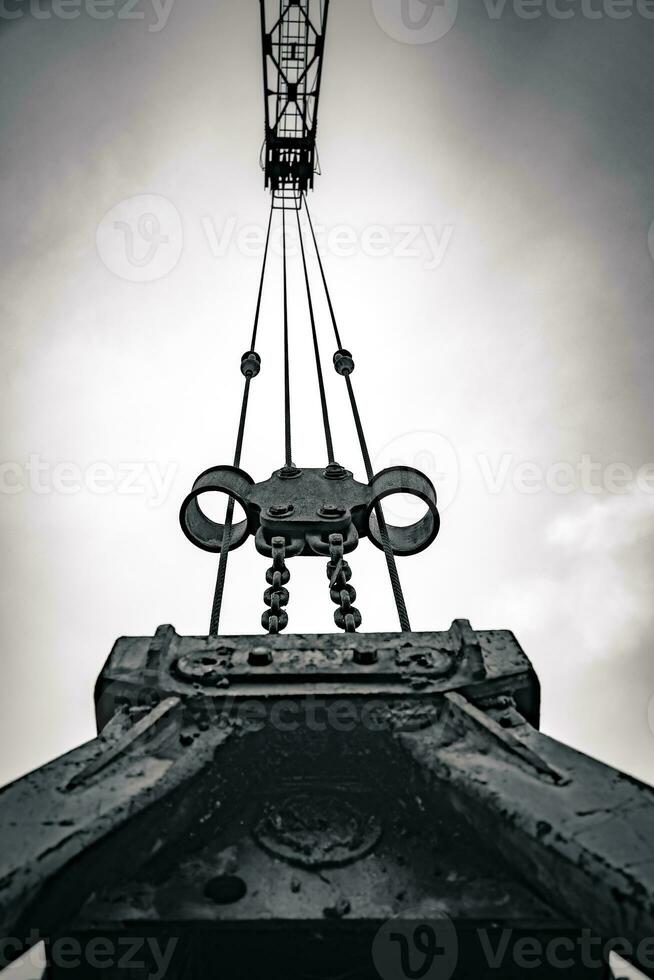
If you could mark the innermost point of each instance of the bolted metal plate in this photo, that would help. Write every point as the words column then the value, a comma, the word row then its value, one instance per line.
column 315, row 502
column 483, row 663
column 306, row 505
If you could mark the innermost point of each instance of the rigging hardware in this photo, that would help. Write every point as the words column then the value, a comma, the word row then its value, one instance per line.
column 347, row 617
column 276, row 596
column 300, row 510
column 307, row 507
column 158, row 829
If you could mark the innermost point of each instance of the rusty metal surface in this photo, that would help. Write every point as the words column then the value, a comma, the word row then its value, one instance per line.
column 58, row 824
column 413, row 666
column 318, row 830
column 581, row 832
column 403, row 849
column 235, row 798
column 329, row 833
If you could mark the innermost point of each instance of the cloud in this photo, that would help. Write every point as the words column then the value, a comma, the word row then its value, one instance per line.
column 593, row 610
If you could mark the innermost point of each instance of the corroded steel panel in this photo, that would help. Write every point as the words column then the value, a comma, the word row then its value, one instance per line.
column 276, row 803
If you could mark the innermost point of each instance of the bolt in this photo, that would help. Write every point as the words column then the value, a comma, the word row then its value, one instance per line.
column 334, row 471
column 280, row 510
column 259, row 657
column 331, row 511
column 365, row 657
column 289, row 472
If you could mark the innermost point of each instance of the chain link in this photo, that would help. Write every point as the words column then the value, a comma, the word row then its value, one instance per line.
column 275, row 618
column 347, row 617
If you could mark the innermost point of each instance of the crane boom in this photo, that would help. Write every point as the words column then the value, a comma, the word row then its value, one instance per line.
column 292, row 49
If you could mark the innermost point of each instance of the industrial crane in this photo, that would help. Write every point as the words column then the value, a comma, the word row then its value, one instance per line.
column 345, row 806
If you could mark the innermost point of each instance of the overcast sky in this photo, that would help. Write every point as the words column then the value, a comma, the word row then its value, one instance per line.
column 491, row 272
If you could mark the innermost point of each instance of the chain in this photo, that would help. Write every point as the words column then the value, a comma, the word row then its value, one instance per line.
column 275, row 618
column 339, row 573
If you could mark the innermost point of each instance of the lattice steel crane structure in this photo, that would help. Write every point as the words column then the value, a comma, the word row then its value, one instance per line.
column 331, row 806
column 292, row 41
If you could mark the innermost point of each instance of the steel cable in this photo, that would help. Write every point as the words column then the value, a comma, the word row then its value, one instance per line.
column 316, row 351
column 287, row 380
column 229, row 513
column 391, row 565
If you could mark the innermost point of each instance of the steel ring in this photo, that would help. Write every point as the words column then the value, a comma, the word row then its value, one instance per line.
column 199, row 528
column 413, row 538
